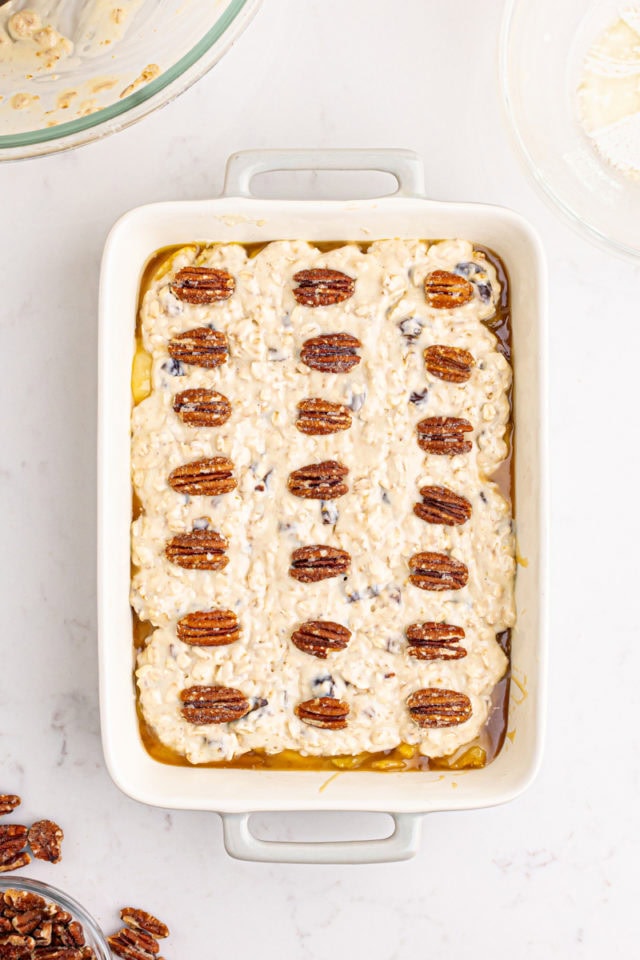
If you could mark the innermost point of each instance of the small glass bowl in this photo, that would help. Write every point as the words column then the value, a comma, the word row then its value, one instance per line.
column 94, row 936
column 543, row 47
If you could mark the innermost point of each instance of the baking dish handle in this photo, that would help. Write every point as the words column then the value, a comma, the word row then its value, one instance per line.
column 405, row 165
column 243, row 845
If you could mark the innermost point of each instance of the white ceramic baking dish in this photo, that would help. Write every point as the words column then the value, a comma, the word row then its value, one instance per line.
column 240, row 216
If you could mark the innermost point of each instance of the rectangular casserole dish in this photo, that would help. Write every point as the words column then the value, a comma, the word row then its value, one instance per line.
column 239, row 216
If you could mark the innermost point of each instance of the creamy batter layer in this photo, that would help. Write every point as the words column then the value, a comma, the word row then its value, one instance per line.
column 388, row 393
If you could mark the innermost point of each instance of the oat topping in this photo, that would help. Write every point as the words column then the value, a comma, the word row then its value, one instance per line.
column 399, row 600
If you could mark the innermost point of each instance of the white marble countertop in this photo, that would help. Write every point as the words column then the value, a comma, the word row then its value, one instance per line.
column 554, row 873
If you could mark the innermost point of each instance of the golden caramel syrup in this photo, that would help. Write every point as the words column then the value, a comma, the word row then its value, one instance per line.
column 405, row 757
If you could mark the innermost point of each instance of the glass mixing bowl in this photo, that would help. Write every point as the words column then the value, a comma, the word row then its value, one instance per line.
column 543, row 47
column 85, row 68
column 94, row 936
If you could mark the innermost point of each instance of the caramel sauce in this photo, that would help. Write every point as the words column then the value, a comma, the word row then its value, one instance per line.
column 404, row 757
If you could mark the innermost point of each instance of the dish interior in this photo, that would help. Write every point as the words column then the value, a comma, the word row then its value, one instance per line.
column 486, row 745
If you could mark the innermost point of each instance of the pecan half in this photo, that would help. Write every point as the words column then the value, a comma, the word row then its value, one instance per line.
column 209, row 477
column 198, row 550
column 331, row 352
column 13, row 840
column 437, row 571
column 433, row 707
column 320, row 287
column 8, row 803
column 444, row 435
column 25, row 923
column 441, row 505
column 444, row 290
column 43, row 933
column 141, row 920
column 449, row 363
column 209, row 628
column 201, row 347
column 318, row 417
column 23, row 900
column 45, row 840
column 317, row 562
column 320, row 637
column 122, row 948
column 60, row 952
column 15, row 862
column 201, row 704
column 435, row 641
column 202, row 285
column 319, row 481
column 141, row 940
column 202, row 408
column 325, row 712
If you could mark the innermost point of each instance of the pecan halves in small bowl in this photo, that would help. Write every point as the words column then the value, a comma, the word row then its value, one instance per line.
column 318, row 417
column 325, row 712
column 213, row 704
column 202, row 285
column 449, row 363
column 320, row 287
column 321, row 637
column 317, row 562
column 331, row 352
column 209, row 628
column 198, row 550
column 445, row 291
column 444, row 436
column 202, row 347
column 433, row 707
column 210, row 477
column 435, row 641
column 202, row 408
column 437, row 572
column 319, row 481
column 441, row 505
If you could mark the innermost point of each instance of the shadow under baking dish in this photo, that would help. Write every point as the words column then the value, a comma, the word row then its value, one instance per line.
column 404, row 757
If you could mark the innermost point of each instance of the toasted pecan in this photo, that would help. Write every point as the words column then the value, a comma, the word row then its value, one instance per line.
column 202, row 285
column 320, row 287
column 434, row 707
column 325, row 712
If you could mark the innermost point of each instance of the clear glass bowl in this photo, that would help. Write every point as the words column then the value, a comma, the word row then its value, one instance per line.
column 122, row 66
column 543, row 47
column 94, row 936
